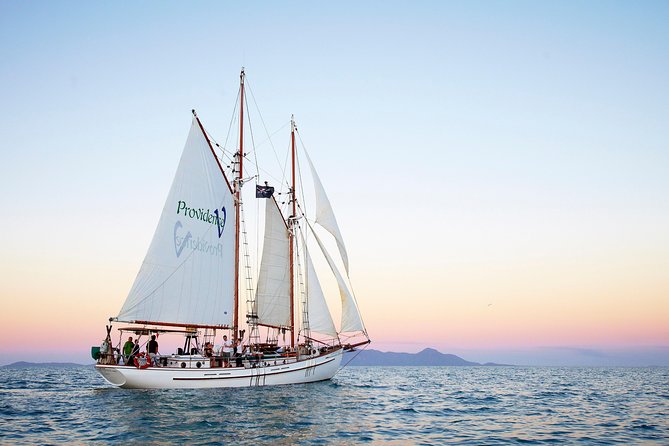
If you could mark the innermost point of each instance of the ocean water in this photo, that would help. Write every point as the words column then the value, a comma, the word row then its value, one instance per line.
column 373, row 405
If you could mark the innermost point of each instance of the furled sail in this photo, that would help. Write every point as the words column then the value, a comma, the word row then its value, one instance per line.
column 273, row 292
column 350, row 315
column 325, row 215
column 188, row 273
column 320, row 319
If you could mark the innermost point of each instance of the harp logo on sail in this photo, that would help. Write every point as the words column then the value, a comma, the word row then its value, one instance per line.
column 180, row 242
column 204, row 215
column 195, row 244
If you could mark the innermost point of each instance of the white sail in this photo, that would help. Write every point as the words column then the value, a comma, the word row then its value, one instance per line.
column 325, row 215
column 350, row 315
column 188, row 273
column 273, row 292
column 320, row 319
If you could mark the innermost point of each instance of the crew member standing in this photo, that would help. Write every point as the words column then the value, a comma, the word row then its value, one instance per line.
column 152, row 347
column 239, row 351
column 227, row 351
column 127, row 351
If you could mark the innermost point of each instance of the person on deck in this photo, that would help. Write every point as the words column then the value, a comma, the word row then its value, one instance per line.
column 227, row 351
column 152, row 348
column 209, row 353
column 127, row 351
column 106, row 356
column 208, row 349
column 239, row 351
column 218, row 353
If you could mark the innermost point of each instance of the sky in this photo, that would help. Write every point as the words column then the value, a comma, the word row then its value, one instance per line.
column 499, row 170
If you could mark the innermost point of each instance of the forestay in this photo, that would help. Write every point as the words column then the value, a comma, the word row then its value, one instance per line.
column 188, row 273
column 273, row 292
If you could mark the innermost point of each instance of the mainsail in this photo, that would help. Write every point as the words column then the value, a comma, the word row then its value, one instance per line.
column 273, row 292
column 325, row 215
column 188, row 273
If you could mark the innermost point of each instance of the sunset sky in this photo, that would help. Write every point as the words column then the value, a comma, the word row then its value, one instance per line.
column 499, row 170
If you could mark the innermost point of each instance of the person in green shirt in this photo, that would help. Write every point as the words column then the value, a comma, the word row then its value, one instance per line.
column 127, row 351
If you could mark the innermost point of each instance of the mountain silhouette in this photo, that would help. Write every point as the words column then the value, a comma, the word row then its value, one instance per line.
column 425, row 357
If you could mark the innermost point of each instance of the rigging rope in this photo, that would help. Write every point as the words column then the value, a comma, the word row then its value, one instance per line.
column 349, row 361
column 256, row 165
column 299, row 168
column 232, row 118
column 269, row 137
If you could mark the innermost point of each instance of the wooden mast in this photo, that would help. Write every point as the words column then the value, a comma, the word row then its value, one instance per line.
column 238, row 198
column 292, row 234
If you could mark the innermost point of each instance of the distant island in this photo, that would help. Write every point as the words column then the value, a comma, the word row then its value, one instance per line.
column 426, row 357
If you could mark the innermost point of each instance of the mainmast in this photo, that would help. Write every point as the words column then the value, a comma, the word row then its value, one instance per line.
column 291, row 232
column 238, row 202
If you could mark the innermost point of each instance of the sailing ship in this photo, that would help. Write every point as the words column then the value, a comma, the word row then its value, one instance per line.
column 199, row 268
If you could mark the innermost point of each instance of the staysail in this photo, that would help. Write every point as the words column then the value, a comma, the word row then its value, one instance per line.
column 273, row 292
column 188, row 273
column 350, row 315
column 320, row 319
column 325, row 215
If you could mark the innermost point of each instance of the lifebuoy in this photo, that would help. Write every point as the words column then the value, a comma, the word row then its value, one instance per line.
column 142, row 361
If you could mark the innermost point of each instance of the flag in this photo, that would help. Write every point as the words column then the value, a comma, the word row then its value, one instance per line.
column 264, row 191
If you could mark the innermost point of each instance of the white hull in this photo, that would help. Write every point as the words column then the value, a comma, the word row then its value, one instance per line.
column 309, row 370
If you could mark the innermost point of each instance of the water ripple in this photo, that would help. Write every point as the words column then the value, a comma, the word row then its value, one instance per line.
column 387, row 405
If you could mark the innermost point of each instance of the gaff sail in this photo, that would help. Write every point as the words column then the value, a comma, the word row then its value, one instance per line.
column 273, row 292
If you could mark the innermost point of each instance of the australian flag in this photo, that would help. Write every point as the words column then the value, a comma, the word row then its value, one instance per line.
column 264, row 191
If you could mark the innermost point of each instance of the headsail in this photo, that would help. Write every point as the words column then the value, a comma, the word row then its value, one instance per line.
column 325, row 215
column 350, row 315
column 188, row 273
column 273, row 293
column 320, row 319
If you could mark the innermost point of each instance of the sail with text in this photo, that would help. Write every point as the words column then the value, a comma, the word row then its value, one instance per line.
column 188, row 274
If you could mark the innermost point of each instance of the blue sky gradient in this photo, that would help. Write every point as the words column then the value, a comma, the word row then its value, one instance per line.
column 518, row 145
